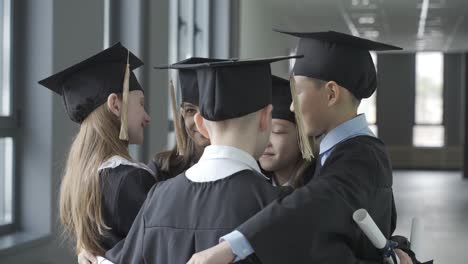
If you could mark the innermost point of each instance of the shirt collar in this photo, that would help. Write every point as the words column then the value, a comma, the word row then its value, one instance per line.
column 354, row 127
column 234, row 160
column 227, row 152
column 115, row 161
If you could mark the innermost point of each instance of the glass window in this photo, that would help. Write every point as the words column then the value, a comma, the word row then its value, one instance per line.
column 5, row 33
column 428, row 130
column 6, row 180
column 7, row 121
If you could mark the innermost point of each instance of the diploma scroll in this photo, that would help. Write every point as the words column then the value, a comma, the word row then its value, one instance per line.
column 368, row 226
column 416, row 239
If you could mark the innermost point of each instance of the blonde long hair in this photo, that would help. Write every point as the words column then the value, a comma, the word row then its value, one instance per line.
column 80, row 191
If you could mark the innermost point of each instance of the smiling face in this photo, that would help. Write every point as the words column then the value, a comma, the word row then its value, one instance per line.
column 138, row 119
column 283, row 148
column 188, row 112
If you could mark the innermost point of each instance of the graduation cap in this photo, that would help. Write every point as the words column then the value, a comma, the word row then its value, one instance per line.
column 339, row 57
column 282, row 99
column 86, row 85
column 188, row 77
column 231, row 89
column 189, row 92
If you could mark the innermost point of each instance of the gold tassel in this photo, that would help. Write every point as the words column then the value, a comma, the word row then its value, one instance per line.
column 180, row 139
column 124, row 113
column 304, row 142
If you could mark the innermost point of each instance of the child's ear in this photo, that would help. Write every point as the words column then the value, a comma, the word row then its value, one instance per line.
column 265, row 118
column 200, row 125
column 114, row 104
column 291, row 107
column 333, row 92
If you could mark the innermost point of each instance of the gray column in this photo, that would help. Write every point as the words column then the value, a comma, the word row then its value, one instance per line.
column 465, row 117
column 453, row 100
column 77, row 34
column 35, row 143
column 396, row 98
column 156, row 45
column 225, row 22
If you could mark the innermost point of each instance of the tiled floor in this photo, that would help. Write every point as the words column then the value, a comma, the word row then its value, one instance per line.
column 440, row 199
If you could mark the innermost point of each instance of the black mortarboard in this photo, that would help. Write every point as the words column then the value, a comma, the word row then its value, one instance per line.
column 189, row 91
column 86, row 85
column 233, row 89
column 188, row 77
column 339, row 57
column 282, row 100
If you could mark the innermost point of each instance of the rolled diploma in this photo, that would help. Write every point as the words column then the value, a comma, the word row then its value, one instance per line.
column 416, row 238
column 368, row 226
column 102, row 260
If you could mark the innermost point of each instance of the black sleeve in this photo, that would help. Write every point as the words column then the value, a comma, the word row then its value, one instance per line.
column 132, row 192
column 314, row 223
column 159, row 174
column 131, row 249
column 152, row 166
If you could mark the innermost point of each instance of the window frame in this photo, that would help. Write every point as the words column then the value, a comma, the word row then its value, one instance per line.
column 428, row 124
column 9, row 125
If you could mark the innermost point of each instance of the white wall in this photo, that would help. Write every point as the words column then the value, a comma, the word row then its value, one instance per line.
column 257, row 39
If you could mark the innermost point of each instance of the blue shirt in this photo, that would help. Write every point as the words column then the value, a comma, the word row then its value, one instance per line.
column 352, row 128
column 349, row 129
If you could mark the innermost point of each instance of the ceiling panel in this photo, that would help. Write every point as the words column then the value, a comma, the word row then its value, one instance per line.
column 395, row 21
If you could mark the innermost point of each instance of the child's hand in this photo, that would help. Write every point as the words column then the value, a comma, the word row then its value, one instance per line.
column 219, row 254
column 404, row 258
column 86, row 258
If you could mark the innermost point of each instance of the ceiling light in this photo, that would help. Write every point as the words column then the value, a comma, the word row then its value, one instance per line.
column 366, row 20
column 420, row 44
column 371, row 34
column 422, row 18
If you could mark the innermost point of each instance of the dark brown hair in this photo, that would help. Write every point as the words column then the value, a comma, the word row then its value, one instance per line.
column 171, row 162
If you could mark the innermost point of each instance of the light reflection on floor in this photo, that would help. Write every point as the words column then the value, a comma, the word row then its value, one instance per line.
column 440, row 199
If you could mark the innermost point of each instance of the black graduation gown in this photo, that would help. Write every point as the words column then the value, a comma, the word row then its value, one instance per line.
column 314, row 223
column 124, row 189
column 181, row 217
column 308, row 174
column 159, row 173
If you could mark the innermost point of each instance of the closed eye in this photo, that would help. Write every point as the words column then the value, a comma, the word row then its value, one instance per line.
column 279, row 132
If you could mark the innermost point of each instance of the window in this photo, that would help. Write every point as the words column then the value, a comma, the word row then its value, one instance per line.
column 7, row 120
column 6, row 183
column 189, row 37
column 368, row 106
column 5, row 102
column 428, row 130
